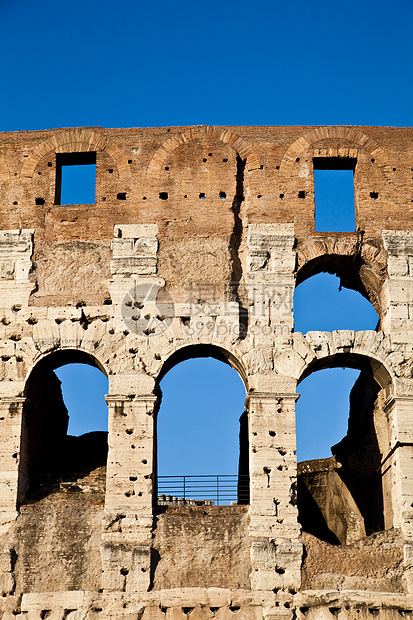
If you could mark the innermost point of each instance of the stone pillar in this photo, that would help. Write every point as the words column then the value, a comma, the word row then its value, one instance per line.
column 276, row 554
column 13, row 463
column 16, row 247
column 270, row 282
column 127, row 528
column 398, row 465
column 399, row 462
column 397, row 291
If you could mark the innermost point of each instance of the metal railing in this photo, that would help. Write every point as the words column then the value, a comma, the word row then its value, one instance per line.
column 203, row 489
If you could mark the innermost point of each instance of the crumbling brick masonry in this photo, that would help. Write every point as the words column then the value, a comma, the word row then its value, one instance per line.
column 108, row 284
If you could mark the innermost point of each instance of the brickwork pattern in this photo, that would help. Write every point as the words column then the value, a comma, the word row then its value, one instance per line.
column 180, row 213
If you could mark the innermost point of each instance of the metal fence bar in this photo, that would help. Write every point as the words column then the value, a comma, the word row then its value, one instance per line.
column 221, row 489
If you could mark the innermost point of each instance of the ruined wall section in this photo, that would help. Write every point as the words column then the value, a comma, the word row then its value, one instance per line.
column 231, row 209
column 202, row 547
column 159, row 175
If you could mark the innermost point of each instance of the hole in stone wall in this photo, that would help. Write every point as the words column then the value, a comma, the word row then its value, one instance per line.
column 301, row 194
column 163, row 195
column 121, row 196
column 334, row 194
column 222, row 195
column 40, row 201
column 374, row 195
column 203, row 433
column 319, row 305
column 75, row 178
column 352, row 472
column 202, row 195
column 339, row 450
column 281, row 196
column 65, row 428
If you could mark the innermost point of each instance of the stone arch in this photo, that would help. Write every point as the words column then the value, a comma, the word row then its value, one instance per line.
column 220, row 354
column 243, row 148
column 357, row 361
column 360, row 265
column 317, row 350
column 61, row 356
column 365, row 484
column 48, row 451
column 76, row 141
column 51, row 337
column 352, row 134
column 198, row 350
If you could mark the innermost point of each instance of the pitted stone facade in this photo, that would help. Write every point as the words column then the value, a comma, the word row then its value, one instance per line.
column 194, row 246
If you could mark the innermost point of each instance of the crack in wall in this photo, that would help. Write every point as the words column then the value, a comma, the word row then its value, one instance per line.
column 235, row 243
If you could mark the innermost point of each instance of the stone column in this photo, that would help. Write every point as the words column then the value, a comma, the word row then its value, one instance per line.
column 127, row 531
column 270, row 282
column 276, row 553
column 397, row 291
column 399, row 462
column 13, row 458
column 398, row 465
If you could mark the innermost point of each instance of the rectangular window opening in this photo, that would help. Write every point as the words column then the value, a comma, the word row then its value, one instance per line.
column 334, row 194
column 75, row 178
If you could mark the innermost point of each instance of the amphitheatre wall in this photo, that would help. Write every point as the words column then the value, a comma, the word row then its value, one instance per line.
column 193, row 246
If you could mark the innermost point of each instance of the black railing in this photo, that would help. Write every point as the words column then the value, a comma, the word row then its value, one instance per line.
column 203, row 489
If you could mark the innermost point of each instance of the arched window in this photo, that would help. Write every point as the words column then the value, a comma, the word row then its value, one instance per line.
column 321, row 304
column 342, row 489
column 202, row 431
column 64, row 435
column 335, row 502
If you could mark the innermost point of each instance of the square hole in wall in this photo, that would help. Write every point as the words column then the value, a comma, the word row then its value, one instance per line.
column 334, row 194
column 75, row 178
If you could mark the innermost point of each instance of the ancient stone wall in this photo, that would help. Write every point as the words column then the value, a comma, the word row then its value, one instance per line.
column 193, row 247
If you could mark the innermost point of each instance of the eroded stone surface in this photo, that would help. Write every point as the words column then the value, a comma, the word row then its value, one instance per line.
column 213, row 227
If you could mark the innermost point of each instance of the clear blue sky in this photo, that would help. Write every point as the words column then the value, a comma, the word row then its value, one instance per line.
column 133, row 63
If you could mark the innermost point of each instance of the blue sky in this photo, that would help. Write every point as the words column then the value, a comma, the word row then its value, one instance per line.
column 133, row 63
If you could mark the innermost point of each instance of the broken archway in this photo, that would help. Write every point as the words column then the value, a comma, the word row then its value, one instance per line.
column 347, row 496
column 51, row 459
